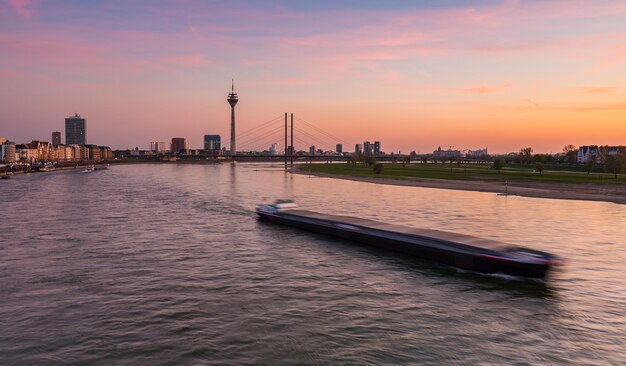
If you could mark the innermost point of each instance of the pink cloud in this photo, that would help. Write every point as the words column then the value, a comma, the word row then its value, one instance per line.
column 376, row 38
column 617, row 56
column 598, row 90
column 188, row 60
column 598, row 107
column 22, row 7
column 485, row 89
column 314, row 41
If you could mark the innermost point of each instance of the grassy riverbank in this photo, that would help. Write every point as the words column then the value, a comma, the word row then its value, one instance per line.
column 465, row 173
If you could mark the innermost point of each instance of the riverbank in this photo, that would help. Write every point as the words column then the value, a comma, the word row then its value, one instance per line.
column 615, row 193
column 57, row 167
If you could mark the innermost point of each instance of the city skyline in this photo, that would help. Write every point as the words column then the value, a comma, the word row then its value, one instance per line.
column 506, row 75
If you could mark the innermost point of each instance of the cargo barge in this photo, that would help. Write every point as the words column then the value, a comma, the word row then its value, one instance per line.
column 458, row 250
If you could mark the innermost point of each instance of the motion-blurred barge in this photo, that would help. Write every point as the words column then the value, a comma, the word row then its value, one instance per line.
column 462, row 251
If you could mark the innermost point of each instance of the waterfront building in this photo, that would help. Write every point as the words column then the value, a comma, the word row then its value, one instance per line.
column 339, row 149
column 64, row 153
column 21, row 152
column 358, row 149
column 212, row 143
column 56, row 138
column 232, row 100
column 33, row 152
column 179, row 144
column 76, row 152
column 273, row 149
column 57, row 153
column 477, row 153
column 376, row 148
column 75, row 130
column 140, row 153
column 9, row 152
column 597, row 153
column 27, row 153
column 587, row 153
column 36, row 151
column 449, row 153
column 312, row 150
column 106, row 153
column 72, row 153
column 83, row 152
column 94, row 152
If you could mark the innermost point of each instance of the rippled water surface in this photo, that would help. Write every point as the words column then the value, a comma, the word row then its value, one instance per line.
column 167, row 264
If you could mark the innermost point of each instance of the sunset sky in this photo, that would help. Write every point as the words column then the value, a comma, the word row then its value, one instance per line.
column 413, row 74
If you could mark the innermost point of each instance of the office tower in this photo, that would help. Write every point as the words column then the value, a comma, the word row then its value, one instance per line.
column 56, row 138
column 212, row 143
column 75, row 130
column 158, row 146
column 178, row 144
column 367, row 148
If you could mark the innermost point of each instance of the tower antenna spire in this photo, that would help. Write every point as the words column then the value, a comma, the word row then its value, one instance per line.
column 232, row 100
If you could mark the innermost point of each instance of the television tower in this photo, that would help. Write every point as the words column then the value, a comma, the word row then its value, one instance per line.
column 232, row 100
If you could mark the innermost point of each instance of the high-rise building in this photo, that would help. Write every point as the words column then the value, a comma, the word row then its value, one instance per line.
column 273, row 149
column 56, row 138
column 367, row 148
column 358, row 149
column 158, row 146
column 178, row 144
column 312, row 150
column 376, row 148
column 339, row 149
column 232, row 100
column 75, row 130
column 212, row 143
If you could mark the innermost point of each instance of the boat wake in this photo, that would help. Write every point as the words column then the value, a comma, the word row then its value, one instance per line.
column 503, row 276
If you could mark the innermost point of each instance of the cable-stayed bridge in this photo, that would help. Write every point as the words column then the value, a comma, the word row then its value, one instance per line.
column 287, row 135
column 287, row 138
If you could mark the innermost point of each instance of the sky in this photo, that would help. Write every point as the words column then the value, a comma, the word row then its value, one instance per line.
column 415, row 75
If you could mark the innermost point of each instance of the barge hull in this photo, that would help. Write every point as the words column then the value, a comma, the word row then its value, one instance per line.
column 417, row 247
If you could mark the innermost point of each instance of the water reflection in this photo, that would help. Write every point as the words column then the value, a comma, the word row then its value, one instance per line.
column 171, row 260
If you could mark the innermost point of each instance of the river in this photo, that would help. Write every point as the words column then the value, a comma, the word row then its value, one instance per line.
column 166, row 264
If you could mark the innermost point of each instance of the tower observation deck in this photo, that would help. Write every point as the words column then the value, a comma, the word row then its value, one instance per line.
column 232, row 100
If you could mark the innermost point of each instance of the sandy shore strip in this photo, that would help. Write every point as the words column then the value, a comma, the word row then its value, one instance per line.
column 615, row 193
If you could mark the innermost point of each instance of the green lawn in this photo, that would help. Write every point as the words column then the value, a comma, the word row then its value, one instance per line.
column 464, row 172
